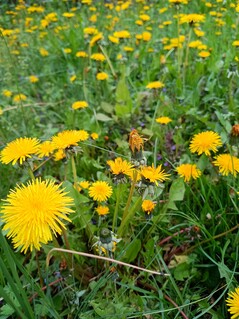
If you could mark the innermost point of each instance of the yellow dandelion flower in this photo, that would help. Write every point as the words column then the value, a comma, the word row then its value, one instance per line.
column 32, row 213
column 123, row 34
column 73, row 78
column 101, row 76
column 84, row 184
column 163, row 120
column 146, row 36
column 98, row 57
column 204, row 54
column 233, row 303
column 192, row 18
column 68, row 14
column 90, row 30
column 19, row 150
column 68, row 138
column 7, row 93
column 188, row 171
column 94, row 136
column 100, row 191
column 43, row 52
column 81, row 54
column 102, row 210
column 59, row 155
column 235, row 43
column 67, row 50
column 45, row 149
column 135, row 141
column 227, row 164
column 205, row 142
column 113, row 39
column 153, row 175
column 120, row 167
column 148, row 206
column 79, row 105
column 96, row 38
column 19, row 98
column 33, row 79
column 155, row 85
column 144, row 17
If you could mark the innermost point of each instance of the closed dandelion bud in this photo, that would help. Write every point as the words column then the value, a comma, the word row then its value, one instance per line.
column 105, row 236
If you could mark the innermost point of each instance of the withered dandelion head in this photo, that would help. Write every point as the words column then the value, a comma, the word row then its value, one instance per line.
column 235, row 130
column 148, row 206
column 153, row 175
column 45, row 149
column 120, row 167
column 69, row 138
column 205, row 142
column 227, row 164
column 102, row 210
column 100, row 191
column 135, row 141
column 233, row 303
column 188, row 171
column 33, row 212
column 19, row 150
column 163, row 120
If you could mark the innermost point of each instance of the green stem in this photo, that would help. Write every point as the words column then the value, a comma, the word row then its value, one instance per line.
column 31, row 174
column 135, row 173
column 39, row 269
column 119, row 189
column 108, row 61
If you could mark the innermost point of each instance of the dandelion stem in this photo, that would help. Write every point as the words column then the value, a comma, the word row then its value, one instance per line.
column 119, row 190
column 31, row 174
column 108, row 61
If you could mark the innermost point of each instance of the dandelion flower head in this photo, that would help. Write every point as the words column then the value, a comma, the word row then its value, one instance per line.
column 148, row 206
column 33, row 212
column 79, row 105
column 205, row 142
column 163, row 120
column 154, row 174
column 155, row 85
column 233, row 303
column 188, row 171
column 102, row 210
column 19, row 150
column 69, row 138
column 119, row 166
column 46, row 148
column 227, row 164
column 100, row 191
column 135, row 141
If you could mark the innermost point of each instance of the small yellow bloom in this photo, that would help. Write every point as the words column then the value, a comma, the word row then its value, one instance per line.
column 233, row 303
column 205, row 142
column 113, row 39
column 188, row 171
column 7, row 93
column 204, row 54
column 102, row 210
column 163, row 120
column 43, row 52
column 45, row 149
column 153, row 175
column 123, row 34
column 81, row 54
column 227, row 164
column 68, row 14
column 59, row 155
column 155, row 85
column 73, row 78
column 101, row 76
column 19, row 98
column 94, row 136
column 148, row 206
column 96, row 38
column 100, row 191
column 120, row 167
column 69, row 138
column 84, row 184
column 98, row 57
column 67, row 50
column 235, row 43
column 33, row 79
column 79, row 105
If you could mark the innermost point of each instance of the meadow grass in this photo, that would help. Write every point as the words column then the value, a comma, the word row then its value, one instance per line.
column 121, row 120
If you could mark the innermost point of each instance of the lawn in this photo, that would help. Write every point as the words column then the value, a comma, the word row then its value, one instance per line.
column 119, row 131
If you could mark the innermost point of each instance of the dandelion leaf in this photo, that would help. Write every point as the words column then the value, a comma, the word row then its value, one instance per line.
column 123, row 100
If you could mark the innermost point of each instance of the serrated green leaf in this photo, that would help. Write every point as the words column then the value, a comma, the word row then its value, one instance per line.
column 132, row 250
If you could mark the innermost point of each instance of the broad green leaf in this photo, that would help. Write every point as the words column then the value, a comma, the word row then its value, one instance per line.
column 132, row 250
column 123, row 100
column 102, row 117
column 107, row 107
column 177, row 190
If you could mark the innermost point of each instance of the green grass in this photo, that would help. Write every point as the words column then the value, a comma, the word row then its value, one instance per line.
column 192, row 234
